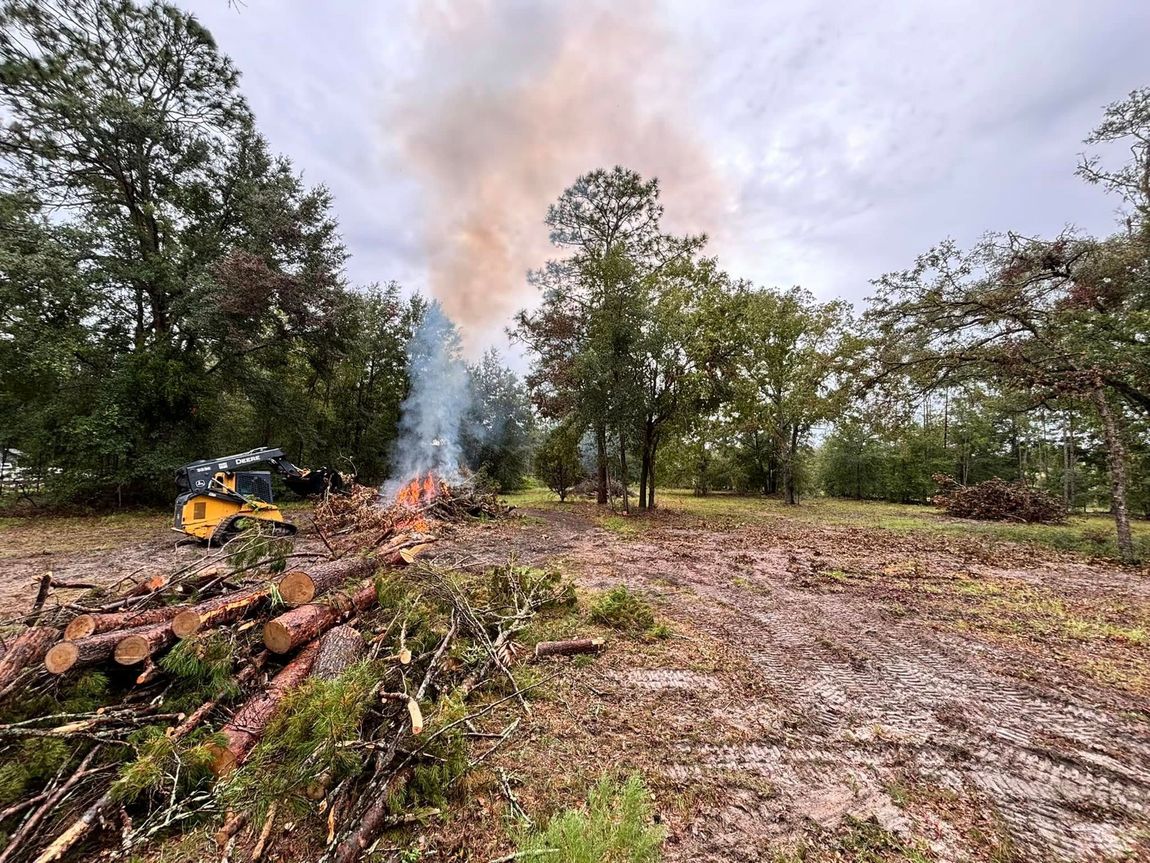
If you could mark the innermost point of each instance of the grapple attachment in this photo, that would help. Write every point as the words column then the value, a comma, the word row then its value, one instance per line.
column 320, row 481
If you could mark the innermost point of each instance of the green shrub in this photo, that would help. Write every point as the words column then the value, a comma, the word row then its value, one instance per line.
column 615, row 827
column 621, row 609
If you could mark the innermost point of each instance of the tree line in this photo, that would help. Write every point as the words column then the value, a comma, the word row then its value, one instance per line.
column 1025, row 358
column 171, row 289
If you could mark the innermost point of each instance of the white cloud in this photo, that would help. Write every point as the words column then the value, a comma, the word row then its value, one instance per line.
column 849, row 136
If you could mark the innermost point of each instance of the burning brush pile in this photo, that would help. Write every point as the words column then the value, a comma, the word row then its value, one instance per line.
column 420, row 509
column 265, row 702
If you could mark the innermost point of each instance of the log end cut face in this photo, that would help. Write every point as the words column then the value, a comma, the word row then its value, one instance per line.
column 297, row 588
column 60, row 657
column 186, row 623
column 80, row 626
column 132, row 650
column 277, row 637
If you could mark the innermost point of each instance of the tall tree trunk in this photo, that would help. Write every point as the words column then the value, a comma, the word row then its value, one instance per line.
column 1116, row 459
column 789, row 468
column 645, row 462
column 601, row 462
column 623, row 472
column 644, row 466
column 1068, row 463
column 651, row 471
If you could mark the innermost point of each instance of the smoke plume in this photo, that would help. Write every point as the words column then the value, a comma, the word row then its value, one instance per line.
column 433, row 412
column 510, row 102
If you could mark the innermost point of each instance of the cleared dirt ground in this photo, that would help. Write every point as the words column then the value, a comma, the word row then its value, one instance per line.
column 829, row 691
column 975, row 700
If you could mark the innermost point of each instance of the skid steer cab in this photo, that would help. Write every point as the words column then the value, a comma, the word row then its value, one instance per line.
column 220, row 498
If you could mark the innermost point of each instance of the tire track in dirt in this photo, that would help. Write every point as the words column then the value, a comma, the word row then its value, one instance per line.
column 879, row 697
column 901, row 685
column 861, row 700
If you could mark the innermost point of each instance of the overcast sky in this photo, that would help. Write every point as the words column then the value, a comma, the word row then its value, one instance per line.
column 818, row 143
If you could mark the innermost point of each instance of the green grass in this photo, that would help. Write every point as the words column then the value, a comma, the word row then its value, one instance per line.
column 1023, row 609
column 858, row 841
column 614, row 827
column 1092, row 535
column 538, row 496
column 622, row 525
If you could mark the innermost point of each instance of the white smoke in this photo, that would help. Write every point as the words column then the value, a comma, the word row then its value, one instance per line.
column 432, row 415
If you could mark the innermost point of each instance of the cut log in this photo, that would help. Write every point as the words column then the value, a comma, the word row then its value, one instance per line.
column 87, row 651
column 296, row 588
column 339, row 649
column 568, row 647
column 246, row 727
column 148, row 585
column 140, row 645
column 299, row 588
column 365, row 831
column 301, row 625
column 219, row 610
column 85, row 625
column 25, row 650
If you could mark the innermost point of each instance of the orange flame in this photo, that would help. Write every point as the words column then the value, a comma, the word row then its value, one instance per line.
column 419, row 491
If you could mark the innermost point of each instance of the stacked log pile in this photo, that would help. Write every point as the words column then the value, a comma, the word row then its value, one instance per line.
column 252, row 645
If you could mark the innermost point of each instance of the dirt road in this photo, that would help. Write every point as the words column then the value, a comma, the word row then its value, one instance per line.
column 815, row 693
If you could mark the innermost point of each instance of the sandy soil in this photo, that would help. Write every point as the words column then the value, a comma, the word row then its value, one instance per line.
column 794, row 705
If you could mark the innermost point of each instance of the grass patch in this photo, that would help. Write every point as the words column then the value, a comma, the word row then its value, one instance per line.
column 622, row 525
column 869, row 842
column 1091, row 534
column 858, row 841
column 1028, row 610
column 615, row 827
column 659, row 631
